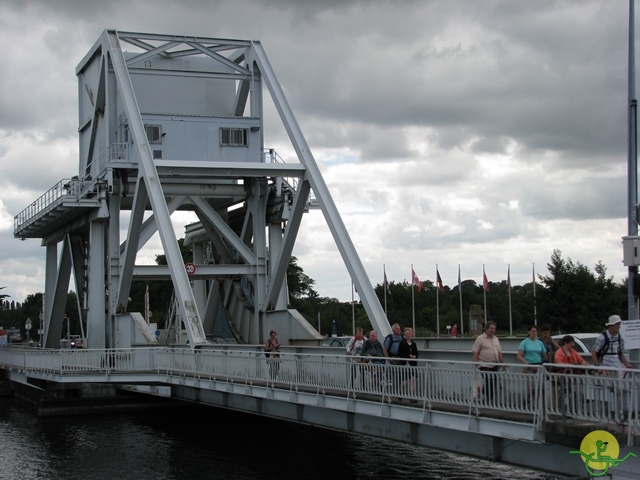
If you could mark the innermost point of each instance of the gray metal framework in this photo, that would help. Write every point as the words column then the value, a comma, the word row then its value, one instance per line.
column 177, row 124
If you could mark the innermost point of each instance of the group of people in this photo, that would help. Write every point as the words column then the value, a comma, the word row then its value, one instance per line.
column 607, row 351
column 398, row 348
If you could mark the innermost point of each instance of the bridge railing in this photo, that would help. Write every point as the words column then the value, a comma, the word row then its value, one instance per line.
column 592, row 394
column 41, row 205
column 599, row 395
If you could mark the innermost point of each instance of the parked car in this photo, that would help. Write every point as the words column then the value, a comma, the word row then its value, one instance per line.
column 217, row 340
column 76, row 341
column 336, row 342
column 583, row 341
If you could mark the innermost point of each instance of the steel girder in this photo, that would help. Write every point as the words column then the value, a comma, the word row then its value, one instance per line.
column 214, row 190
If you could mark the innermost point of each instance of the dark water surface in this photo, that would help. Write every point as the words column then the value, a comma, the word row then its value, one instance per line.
column 208, row 443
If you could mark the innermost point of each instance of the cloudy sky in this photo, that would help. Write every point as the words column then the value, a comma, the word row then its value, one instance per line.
column 449, row 132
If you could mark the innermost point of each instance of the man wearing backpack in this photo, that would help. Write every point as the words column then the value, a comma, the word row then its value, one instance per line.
column 391, row 345
column 609, row 346
column 392, row 341
column 608, row 352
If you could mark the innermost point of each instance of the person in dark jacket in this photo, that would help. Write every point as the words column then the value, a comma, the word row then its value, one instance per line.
column 408, row 352
column 372, row 348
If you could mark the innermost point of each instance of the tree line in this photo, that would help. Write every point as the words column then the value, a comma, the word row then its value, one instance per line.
column 570, row 298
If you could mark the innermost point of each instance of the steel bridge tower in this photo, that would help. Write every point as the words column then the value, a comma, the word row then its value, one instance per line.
column 176, row 123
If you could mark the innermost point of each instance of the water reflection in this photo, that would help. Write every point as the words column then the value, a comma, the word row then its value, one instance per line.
column 206, row 443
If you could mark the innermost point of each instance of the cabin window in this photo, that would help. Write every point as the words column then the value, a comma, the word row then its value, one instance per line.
column 234, row 137
column 154, row 133
column 157, row 154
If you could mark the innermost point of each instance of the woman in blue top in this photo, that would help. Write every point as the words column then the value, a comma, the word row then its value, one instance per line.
column 531, row 350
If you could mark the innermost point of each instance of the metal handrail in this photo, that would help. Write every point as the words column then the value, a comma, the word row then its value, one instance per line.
column 271, row 156
column 601, row 396
column 43, row 204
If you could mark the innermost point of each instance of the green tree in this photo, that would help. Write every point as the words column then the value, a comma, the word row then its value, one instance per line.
column 300, row 285
column 574, row 299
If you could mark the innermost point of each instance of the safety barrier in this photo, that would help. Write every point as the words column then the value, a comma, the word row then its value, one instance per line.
column 599, row 395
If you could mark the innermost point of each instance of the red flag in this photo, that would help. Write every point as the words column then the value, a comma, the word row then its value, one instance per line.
column 416, row 280
column 486, row 282
column 440, row 286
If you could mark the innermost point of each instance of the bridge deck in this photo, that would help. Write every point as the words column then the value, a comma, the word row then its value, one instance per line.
column 440, row 404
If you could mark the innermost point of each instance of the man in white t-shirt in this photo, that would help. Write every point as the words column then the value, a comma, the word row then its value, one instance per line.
column 355, row 344
column 486, row 350
column 609, row 351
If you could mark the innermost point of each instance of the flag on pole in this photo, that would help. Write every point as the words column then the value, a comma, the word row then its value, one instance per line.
column 415, row 280
column 386, row 284
column 439, row 280
column 485, row 281
column 535, row 313
column 460, row 294
column 509, row 289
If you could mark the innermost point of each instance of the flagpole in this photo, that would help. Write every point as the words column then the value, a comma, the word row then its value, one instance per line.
column 413, row 306
column 632, row 164
column 353, row 311
column 384, row 287
column 437, row 302
column 460, row 291
column 509, row 287
column 535, row 312
column 484, row 295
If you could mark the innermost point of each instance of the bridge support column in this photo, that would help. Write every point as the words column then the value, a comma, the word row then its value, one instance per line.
column 51, row 273
column 96, row 317
column 199, row 286
column 497, row 449
column 275, row 247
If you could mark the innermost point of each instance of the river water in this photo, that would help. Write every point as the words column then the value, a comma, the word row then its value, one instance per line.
column 208, row 443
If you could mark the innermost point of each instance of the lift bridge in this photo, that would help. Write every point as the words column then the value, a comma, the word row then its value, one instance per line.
column 537, row 420
column 176, row 123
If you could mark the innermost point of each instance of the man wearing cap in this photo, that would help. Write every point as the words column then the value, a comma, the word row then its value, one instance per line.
column 608, row 351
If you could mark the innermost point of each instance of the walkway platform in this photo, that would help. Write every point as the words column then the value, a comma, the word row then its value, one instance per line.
column 531, row 420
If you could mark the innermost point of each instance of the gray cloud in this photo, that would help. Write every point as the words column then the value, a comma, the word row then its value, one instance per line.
column 448, row 132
